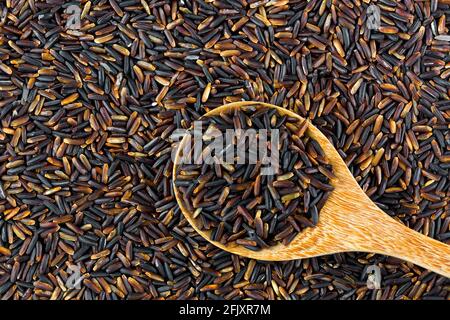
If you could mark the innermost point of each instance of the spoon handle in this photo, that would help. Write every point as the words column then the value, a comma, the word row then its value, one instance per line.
column 392, row 238
column 424, row 251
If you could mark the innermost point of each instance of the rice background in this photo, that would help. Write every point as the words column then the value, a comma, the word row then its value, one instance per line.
column 86, row 117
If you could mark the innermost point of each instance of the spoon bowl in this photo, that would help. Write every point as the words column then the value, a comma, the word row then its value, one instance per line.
column 349, row 220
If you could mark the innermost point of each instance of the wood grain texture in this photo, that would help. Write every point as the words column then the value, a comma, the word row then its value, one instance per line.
column 349, row 221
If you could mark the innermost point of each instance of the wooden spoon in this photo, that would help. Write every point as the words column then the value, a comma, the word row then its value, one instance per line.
column 349, row 220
